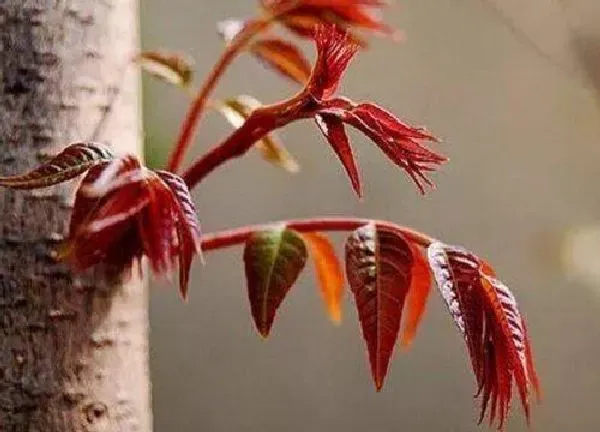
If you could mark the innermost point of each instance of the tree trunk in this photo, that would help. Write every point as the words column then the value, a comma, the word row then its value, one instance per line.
column 73, row 349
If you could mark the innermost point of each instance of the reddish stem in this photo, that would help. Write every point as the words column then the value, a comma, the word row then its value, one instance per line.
column 261, row 122
column 236, row 46
column 192, row 118
column 223, row 239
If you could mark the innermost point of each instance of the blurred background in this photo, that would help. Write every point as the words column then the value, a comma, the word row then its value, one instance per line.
column 512, row 87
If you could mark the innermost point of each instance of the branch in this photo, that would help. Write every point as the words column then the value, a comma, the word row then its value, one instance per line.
column 252, row 29
column 261, row 122
column 228, row 238
column 193, row 116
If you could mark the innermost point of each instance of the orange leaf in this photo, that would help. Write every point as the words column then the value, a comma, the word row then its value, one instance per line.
column 418, row 293
column 170, row 67
column 284, row 57
column 329, row 273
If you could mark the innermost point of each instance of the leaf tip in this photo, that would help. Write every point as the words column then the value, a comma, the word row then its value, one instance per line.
column 183, row 293
column 357, row 187
column 335, row 315
column 406, row 342
column 290, row 165
column 263, row 331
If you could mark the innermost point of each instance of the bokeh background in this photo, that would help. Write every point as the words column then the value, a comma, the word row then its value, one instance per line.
column 512, row 87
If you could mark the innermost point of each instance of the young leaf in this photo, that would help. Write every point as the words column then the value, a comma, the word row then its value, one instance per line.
column 400, row 142
column 309, row 14
column 454, row 282
column 124, row 211
column 157, row 225
column 284, row 57
column 531, row 372
column 416, row 300
column 236, row 111
column 509, row 323
column 68, row 164
column 273, row 259
column 92, row 190
column 329, row 272
column 170, row 67
column 379, row 266
column 301, row 24
column 188, row 228
column 487, row 315
column 335, row 50
column 101, row 231
column 333, row 129
column 116, row 174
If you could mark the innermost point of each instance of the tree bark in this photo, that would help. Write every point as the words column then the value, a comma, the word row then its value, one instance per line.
column 73, row 349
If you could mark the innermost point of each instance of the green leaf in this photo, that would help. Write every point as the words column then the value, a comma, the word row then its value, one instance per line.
column 173, row 68
column 236, row 111
column 68, row 164
column 273, row 260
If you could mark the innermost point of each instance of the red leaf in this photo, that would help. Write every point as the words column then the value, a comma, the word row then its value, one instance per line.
column 333, row 129
column 355, row 14
column 531, row 372
column 94, row 186
column 304, row 24
column 114, row 175
column 418, row 294
column 329, row 272
column 346, row 13
column 273, row 261
column 186, row 207
column 334, row 52
column 399, row 141
column 509, row 327
column 379, row 267
column 284, row 57
column 188, row 228
column 84, row 202
column 72, row 161
column 123, row 211
column 93, row 240
column 157, row 227
column 487, row 314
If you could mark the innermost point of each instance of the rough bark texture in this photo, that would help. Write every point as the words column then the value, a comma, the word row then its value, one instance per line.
column 73, row 350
